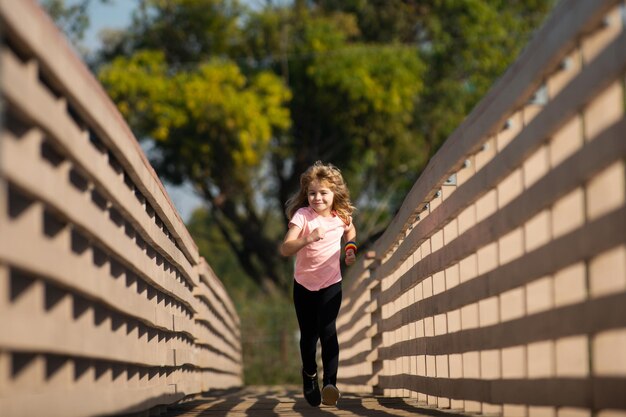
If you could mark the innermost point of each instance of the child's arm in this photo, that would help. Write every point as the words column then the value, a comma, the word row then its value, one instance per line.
column 350, row 236
column 292, row 243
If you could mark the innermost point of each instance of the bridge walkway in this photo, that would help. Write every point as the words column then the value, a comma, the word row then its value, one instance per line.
column 287, row 401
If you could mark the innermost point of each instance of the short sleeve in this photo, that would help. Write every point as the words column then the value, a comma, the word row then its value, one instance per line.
column 298, row 219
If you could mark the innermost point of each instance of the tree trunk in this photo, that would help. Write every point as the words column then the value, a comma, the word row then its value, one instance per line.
column 258, row 255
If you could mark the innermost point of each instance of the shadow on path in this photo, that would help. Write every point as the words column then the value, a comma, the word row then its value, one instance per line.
column 287, row 401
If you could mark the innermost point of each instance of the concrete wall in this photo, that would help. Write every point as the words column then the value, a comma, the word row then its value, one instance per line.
column 500, row 286
column 105, row 304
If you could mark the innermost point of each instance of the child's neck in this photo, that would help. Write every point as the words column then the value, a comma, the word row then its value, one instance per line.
column 325, row 213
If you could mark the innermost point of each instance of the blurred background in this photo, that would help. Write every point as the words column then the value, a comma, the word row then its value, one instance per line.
column 232, row 100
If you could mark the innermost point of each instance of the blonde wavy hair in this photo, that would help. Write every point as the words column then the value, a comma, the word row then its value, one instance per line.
column 330, row 176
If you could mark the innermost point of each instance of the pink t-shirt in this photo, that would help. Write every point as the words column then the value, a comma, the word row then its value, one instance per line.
column 318, row 263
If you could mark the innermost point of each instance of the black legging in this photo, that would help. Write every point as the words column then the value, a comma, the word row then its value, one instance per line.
column 317, row 312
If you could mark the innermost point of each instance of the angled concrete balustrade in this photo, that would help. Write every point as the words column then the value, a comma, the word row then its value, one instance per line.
column 105, row 305
column 500, row 285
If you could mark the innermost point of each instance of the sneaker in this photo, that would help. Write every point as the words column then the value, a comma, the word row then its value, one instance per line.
column 311, row 389
column 330, row 395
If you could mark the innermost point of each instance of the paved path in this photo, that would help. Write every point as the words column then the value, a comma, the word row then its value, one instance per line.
column 289, row 402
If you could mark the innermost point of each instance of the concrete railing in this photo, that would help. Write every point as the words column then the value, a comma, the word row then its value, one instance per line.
column 105, row 305
column 500, row 286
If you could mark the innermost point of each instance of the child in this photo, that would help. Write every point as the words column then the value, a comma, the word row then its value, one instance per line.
column 319, row 216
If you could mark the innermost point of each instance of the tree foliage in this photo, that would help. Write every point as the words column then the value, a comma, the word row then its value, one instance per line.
column 213, row 127
column 239, row 102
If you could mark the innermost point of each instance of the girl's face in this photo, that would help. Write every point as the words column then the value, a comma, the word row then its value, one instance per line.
column 320, row 198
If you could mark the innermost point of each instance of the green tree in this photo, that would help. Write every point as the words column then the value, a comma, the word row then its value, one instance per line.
column 240, row 134
column 212, row 126
column 465, row 44
column 239, row 102
column 468, row 45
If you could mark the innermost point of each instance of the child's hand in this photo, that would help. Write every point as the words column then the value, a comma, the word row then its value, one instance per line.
column 350, row 257
column 317, row 234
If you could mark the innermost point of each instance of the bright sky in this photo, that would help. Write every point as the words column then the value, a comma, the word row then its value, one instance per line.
column 117, row 15
column 113, row 15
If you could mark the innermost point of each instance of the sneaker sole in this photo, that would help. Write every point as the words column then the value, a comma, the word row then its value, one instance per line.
column 330, row 395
